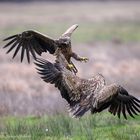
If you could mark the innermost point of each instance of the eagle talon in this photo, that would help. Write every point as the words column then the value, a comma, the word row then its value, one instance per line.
column 70, row 66
column 85, row 59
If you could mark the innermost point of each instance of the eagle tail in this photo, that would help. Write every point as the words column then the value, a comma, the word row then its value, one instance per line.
column 78, row 110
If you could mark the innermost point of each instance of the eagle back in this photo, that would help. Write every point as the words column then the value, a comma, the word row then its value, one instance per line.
column 93, row 85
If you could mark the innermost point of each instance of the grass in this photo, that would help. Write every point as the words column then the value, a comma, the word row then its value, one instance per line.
column 95, row 127
column 86, row 33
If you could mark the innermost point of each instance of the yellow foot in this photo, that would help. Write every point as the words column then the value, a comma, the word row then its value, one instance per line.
column 70, row 67
column 85, row 59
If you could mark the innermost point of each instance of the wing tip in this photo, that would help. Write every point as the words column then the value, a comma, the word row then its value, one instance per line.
column 10, row 37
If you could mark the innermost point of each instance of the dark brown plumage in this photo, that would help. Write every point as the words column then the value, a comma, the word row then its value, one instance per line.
column 87, row 94
column 35, row 43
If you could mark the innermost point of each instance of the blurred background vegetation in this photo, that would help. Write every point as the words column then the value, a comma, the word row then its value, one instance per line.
column 61, row 0
column 108, row 34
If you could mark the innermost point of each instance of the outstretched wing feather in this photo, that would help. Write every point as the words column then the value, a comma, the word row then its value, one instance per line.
column 31, row 41
column 10, row 37
column 22, row 51
column 123, row 102
column 11, row 42
column 17, row 49
column 124, row 111
column 12, row 47
column 28, row 54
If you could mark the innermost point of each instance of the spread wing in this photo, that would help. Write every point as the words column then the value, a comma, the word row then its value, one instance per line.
column 118, row 100
column 52, row 73
column 30, row 42
column 125, row 102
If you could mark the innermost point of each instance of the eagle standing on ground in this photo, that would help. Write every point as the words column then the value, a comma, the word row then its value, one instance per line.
column 87, row 94
column 36, row 43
